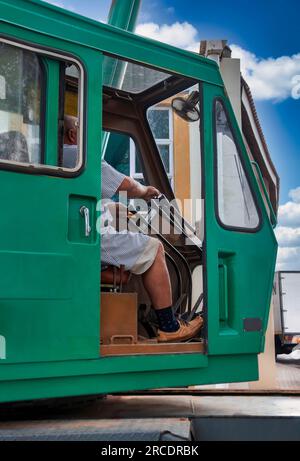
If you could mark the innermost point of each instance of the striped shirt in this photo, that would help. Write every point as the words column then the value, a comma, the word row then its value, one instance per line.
column 122, row 248
column 111, row 180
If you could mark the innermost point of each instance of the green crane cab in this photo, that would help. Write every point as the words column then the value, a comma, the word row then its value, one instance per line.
column 161, row 115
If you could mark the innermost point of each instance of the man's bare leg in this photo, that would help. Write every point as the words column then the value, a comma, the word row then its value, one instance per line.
column 157, row 281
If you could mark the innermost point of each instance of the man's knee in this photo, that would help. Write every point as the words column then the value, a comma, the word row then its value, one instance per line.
column 160, row 251
column 160, row 260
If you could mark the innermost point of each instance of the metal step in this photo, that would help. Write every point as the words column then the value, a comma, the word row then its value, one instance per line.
column 246, row 429
column 95, row 430
column 163, row 417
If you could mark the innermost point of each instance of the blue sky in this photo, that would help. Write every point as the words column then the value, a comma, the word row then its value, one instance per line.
column 265, row 34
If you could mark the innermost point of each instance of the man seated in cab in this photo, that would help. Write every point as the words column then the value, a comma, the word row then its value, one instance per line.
column 138, row 253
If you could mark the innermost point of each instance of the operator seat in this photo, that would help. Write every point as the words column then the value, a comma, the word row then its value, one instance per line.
column 13, row 147
column 114, row 276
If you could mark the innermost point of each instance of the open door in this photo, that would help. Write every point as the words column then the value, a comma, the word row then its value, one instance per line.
column 49, row 247
column 240, row 243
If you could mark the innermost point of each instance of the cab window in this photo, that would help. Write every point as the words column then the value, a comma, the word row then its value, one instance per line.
column 21, row 83
column 160, row 119
column 39, row 103
column 236, row 206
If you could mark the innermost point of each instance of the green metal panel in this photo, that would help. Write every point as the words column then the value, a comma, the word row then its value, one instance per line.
column 51, row 110
column 47, row 280
column 124, row 14
column 240, row 265
column 50, row 21
column 114, row 375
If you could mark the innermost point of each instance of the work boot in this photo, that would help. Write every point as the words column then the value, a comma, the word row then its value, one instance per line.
column 293, row 358
column 187, row 330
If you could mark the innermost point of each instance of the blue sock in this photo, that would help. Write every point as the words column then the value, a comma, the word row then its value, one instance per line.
column 166, row 320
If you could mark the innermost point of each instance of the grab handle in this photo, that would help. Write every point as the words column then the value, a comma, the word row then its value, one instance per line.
column 85, row 213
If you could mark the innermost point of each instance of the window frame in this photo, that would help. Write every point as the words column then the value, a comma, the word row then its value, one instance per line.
column 168, row 141
column 159, row 141
column 248, row 230
column 121, row 133
column 44, row 169
column 147, row 103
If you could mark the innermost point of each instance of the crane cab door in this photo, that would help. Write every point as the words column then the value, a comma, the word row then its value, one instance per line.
column 240, row 243
column 50, row 185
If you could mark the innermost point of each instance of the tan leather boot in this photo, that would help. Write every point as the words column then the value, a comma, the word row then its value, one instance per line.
column 187, row 330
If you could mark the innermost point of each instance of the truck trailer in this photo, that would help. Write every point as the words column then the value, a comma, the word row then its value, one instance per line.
column 286, row 310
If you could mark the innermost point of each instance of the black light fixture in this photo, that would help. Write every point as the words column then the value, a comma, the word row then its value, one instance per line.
column 186, row 107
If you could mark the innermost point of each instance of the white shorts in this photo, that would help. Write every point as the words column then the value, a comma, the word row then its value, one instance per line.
column 135, row 251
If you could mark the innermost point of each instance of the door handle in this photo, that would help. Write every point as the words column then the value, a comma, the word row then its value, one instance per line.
column 85, row 212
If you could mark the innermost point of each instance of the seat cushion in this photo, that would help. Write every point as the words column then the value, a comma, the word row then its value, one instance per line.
column 107, row 275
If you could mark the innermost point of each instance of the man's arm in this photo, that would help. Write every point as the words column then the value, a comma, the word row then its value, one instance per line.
column 136, row 190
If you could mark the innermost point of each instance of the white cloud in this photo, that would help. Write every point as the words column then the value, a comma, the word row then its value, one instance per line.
column 288, row 259
column 288, row 236
column 289, row 219
column 289, row 214
column 294, row 194
column 288, row 233
column 271, row 78
column 180, row 34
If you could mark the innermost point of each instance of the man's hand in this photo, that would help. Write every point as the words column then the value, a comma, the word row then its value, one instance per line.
column 150, row 193
column 136, row 190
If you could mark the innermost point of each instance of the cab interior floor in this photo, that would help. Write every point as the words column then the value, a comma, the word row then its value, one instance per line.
column 147, row 347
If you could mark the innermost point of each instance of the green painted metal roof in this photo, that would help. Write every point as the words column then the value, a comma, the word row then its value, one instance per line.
column 52, row 21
